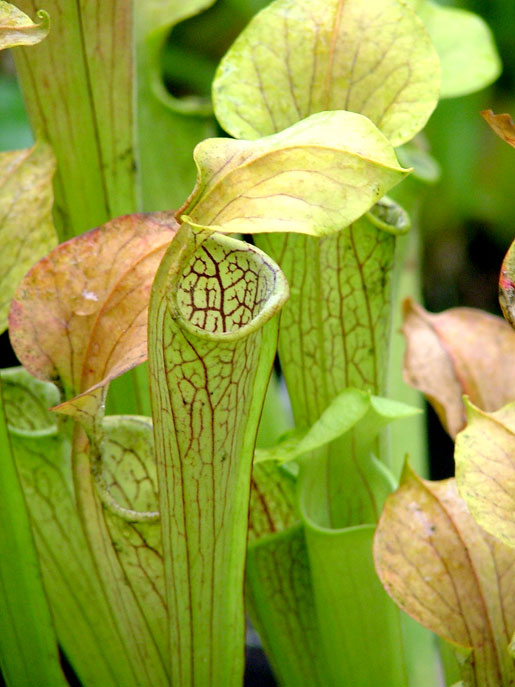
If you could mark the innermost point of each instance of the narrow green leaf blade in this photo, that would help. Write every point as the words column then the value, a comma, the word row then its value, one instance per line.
column 300, row 57
column 342, row 414
column 28, row 647
column 314, row 178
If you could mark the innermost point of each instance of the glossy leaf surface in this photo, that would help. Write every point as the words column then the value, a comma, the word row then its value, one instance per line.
column 346, row 587
column 211, row 349
column 485, row 469
column 296, row 58
column 343, row 413
column 342, row 490
column 460, row 351
column 314, row 178
column 26, row 229
column 80, row 315
column 449, row 574
column 17, row 28
column 345, row 485
column 335, row 334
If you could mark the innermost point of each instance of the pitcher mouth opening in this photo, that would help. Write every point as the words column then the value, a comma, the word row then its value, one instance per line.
column 389, row 216
column 228, row 290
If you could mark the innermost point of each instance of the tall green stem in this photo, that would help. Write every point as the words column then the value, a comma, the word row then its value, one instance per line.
column 211, row 351
column 28, row 647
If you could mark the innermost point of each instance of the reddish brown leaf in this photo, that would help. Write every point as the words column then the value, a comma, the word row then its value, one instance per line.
column 507, row 285
column 502, row 124
column 79, row 317
column 460, row 351
column 449, row 574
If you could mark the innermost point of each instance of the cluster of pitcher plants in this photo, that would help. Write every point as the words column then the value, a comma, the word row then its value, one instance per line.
column 147, row 506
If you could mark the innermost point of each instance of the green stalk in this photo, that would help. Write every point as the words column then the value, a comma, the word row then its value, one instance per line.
column 85, row 624
column 334, row 334
column 279, row 591
column 140, row 647
column 28, row 647
column 279, row 596
column 168, row 127
column 211, row 350
column 78, row 87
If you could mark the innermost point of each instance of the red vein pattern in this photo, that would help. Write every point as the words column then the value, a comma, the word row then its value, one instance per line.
column 335, row 328
column 296, row 58
column 87, row 629
column 79, row 316
column 209, row 362
column 334, row 334
column 281, row 605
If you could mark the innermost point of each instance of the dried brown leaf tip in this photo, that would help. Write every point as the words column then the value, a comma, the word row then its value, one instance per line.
column 502, row 124
column 459, row 352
